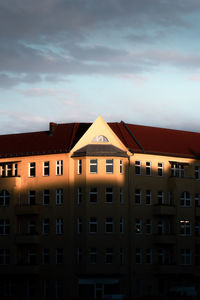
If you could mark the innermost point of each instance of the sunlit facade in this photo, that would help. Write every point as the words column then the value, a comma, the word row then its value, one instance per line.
column 89, row 211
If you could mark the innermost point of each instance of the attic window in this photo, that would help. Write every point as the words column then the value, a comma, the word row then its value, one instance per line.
column 100, row 139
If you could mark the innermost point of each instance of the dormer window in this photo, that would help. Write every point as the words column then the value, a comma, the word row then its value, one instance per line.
column 100, row 139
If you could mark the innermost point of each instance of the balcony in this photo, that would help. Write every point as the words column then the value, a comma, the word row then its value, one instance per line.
column 27, row 209
column 164, row 239
column 164, row 210
column 27, row 239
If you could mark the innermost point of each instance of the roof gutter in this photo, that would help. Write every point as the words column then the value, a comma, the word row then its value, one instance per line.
column 137, row 142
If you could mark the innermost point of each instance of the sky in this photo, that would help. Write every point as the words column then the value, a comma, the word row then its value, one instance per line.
column 73, row 60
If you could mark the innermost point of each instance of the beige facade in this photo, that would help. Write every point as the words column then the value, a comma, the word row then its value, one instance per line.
column 98, row 221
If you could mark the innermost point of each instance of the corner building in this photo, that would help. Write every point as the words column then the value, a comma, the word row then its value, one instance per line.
column 88, row 211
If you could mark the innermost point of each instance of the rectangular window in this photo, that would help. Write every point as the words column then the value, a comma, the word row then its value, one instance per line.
column 121, row 196
column 46, row 168
column 79, row 166
column 109, row 195
column 59, row 256
column 149, row 256
column 31, row 198
column 148, row 168
column 121, row 166
column 185, row 227
column 45, row 256
column 109, row 166
column 138, row 226
column 4, row 227
column 160, row 169
column 148, row 226
column 59, row 197
column 148, row 197
column 4, row 198
column 59, row 167
column 109, row 226
column 197, row 227
column 160, row 227
column 177, row 169
column 93, row 226
column 31, row 256
column 59, row 289
column 45, row 226
column 138, row 256
column 4, row 256
column 160, row 197
column 121, row 225
column 138, row 197
column 32, row 169
column 170, row 198
column 137, row 167
column 59, row 226
column 186, row 256
column 9, row 170
column 79, row 195
column 121, row 256
column 31, row 227
column 109, row 256
column 185, row 199
column 93, row 195
column 15, row 171
column 93, row 256
column 161, row 256
column 93, row 166
column 46, row 197
column 79, row 225
column 46, row 285
column 79, row 256
column 197, row 200
column 197, row 172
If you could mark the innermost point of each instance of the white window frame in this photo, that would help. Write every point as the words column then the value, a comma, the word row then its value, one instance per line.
column 59, row 167
column 109, row 225
column 79, row 166
column 185, row 227
column 93, row 166
column 185, row 199
column 177, row 169
column 46, row 168
column 138, row 196
column 109, row 166
column 31, row 197
column 160, row 169
column 121, row 166
column 93, row 222
column 32, row 169
column 5, row 226
column 59, row 197
column 148, row 168
column 4, row 198
column 138, row 167
column 197, row 172
column 59, row 226
column 45, row 226
column 161, row 198
column 108, row 195
column 148, row 197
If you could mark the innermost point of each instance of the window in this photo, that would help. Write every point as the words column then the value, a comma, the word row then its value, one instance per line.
column 8, row 169
column 197, row 172
column 59, row 226
column 45, row 256
column 121, row 256
column 93, row 195
column 177, row 169
column 79, row 225
column 170, row 198
column 160, row 197
column 109, row 165
column 109, row 225
column 185, row 199
column 197, row 200
column 138, row 226
column 45, row 226
column 148, row 168
column 160, row 227
column 137, row 196
column 109, row 195
column 148, row 226
column 93, row 226
column 4, row 256
column 93, row 256
column 4, row 227
column 4, row 198
column 79, row 195
column 79, row 166
column 186, row 256
column 46, row 168
column 31, row 256
column 59, row 256
column 109, row 256
column 59, row 197
column 138, row 256
column 32, row 169
column 59, row 289
column 149, row 256
column 121, row 196
column 15, row 170
column 197, row 227
column 185, row 227
column 59, row 167
column 121, row 166
column 197, row 255
column 46, row 288
column 31, row 198
column 161, row 256
column 121, row 225
column 46, row 197
column 160, row 169
column 148, row 197
column 78, row 256
column 137, row 167
column 93, row 166
column 31, row 227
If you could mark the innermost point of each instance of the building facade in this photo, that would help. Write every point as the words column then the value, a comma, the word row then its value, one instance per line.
column 94, row 211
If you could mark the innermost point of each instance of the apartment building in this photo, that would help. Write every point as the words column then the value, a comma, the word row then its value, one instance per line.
column 88, row 211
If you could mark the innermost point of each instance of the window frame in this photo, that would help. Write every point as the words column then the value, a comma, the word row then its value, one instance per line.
column 46, row 168
column 32, row 169
column 59, row 197
column 93, row 166
column 59, row 167
column 109, row 166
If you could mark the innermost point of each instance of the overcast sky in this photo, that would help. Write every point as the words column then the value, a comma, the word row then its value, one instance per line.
column 72, row 60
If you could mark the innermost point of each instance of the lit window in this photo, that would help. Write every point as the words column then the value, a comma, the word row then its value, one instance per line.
column 59, row 167
column 197, row 172
column 121, row 195
column 45, row 256
column 160, row 197
column 149, row 256
column 31, row 197
column 4, row 198
column 45, row 226
column 177, row 169
column 137, row 196
column 79, row 166
column 109, row 256
column 59, row 256
column 109, row 165
column 185, row 199
column 59, row 197
column 4, row 256
column 185, row 227
column 138, row 226
column 32, row 169
column 137, row 167
column 148, row 168
column 121, row 166
column 59, row 226
column 186, row 256
column 109, row 195
column 138, row 256
column 93, row 166
column 4, row 227
column 148, row 197
column 46, row 197
column 148, row 226
column 79, row 225
column 160, row 169
column 93, row 195
column 46, row 168
column 79, row 195
column 93, row 226
column 121, row 225
column 109, row 225
column 92, row 256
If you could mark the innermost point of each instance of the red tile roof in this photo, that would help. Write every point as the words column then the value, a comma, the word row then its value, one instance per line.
column 137, row 138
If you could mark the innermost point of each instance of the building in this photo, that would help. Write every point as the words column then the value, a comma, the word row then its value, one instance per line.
column 93, row 210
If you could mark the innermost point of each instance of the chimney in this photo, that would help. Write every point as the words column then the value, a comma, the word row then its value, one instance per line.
column 52, row 127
